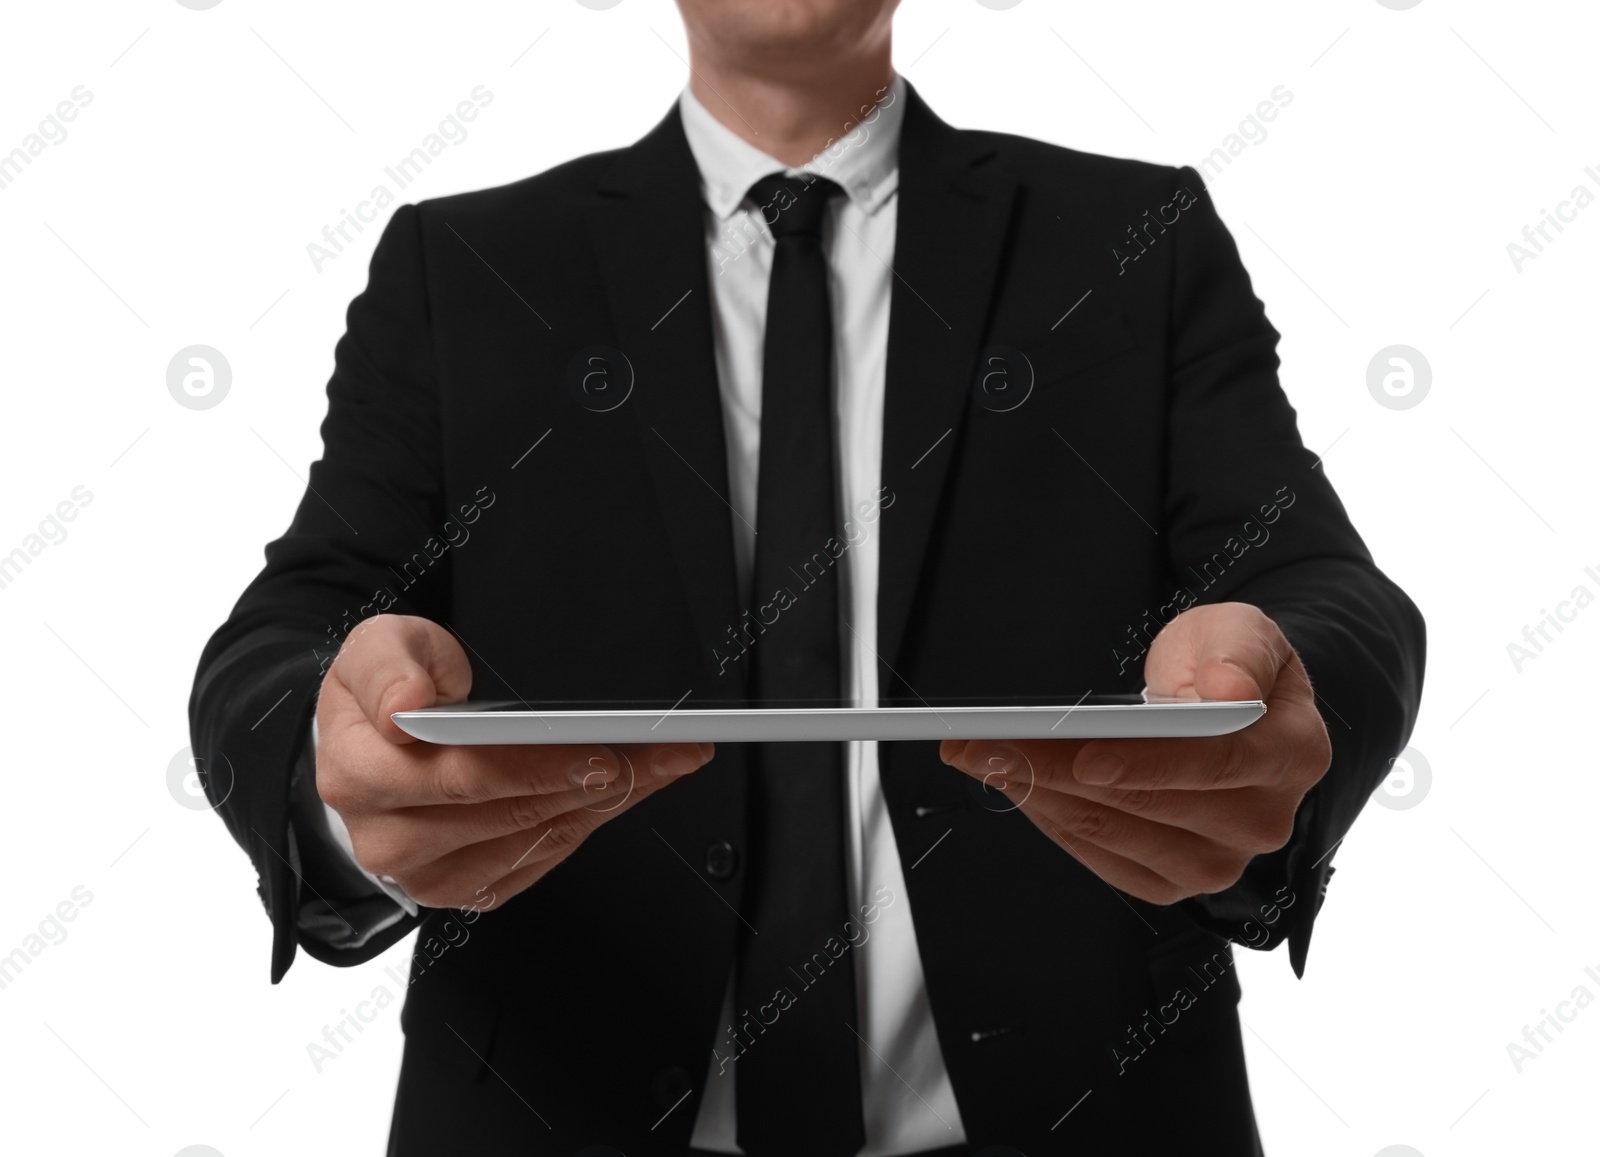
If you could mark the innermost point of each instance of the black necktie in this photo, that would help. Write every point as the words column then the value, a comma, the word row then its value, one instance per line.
column 799, row 1080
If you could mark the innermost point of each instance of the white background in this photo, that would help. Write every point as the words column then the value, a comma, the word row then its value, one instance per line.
column 1377, row 211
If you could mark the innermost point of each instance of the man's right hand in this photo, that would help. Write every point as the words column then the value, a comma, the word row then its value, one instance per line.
column 460, row 827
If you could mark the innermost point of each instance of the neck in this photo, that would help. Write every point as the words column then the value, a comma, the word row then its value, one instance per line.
column 792, row 117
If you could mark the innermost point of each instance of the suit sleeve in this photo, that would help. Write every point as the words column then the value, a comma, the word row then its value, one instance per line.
column 1250, row 517
column 346, row 905
column 362, row 541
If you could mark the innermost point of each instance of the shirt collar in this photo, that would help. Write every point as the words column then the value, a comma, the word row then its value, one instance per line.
column 865, row 162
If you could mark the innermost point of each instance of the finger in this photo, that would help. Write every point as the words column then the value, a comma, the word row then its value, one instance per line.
column 376, row 778
column 994, row 762
column 667, row 760
column 1120, row 872
column 1251, row 758
column 1255, row 820
column 536, row 769
column 400, row 663
column 511, row 863
column 1275, row 750
column 396, row 842
column 1221, row 651
column 1211, row 763
column 469, row 775
column 1197, row 863
column 1287, row 749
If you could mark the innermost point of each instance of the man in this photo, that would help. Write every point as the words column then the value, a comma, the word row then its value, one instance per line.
column 1004, row 411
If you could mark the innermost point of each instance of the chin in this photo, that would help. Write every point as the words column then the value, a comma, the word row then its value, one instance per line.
column 786, row 32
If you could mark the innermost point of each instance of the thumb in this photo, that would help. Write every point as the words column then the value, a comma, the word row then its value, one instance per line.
column 1221, row 651
column 401, row 663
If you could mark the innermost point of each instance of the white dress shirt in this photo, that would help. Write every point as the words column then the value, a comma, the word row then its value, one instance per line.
column 906, row 1096
column 905, row 1090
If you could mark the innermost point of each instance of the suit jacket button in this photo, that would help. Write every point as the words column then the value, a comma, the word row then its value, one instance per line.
column 721, row 860
column 669, row 1085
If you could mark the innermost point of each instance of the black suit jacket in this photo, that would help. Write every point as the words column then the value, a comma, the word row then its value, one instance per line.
column 1026, row 550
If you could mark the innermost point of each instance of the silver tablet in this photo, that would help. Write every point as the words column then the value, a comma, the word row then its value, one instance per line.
column 1091, row 717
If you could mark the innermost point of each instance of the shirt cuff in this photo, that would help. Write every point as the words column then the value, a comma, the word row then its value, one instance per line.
column 385, row 884
column 342, row 905
column 340, row 835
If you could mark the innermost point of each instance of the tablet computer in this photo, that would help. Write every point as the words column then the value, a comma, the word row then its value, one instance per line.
column 1082, row 717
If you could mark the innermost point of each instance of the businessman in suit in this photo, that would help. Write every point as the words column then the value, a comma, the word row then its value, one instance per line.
column 808, row 396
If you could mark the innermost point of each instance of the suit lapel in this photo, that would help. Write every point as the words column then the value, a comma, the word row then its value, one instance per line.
column 955, row 205
column 647, row 225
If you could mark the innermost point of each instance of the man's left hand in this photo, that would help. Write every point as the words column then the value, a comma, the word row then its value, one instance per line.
column 1167, row 819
